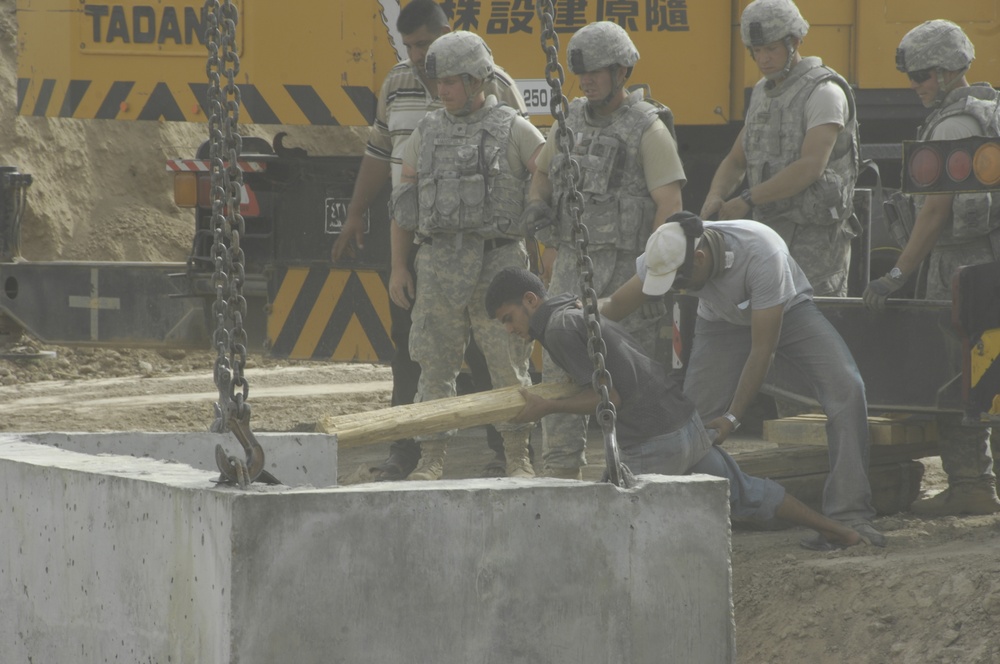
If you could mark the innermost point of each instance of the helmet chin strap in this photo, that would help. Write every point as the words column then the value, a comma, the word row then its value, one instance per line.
column 945, row 88
column 616, row 89
column 470, row 94
column 792, row 49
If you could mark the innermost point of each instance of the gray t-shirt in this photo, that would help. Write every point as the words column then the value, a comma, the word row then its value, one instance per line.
column 759, row 274
column 652, row 403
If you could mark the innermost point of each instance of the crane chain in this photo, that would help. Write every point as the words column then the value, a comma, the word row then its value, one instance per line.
column 616, row 472
column 232, row 411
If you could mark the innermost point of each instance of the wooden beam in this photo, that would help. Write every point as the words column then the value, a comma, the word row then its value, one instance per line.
column 430, row 417
column 810, row 429
column 795, row 460
column 894, row 486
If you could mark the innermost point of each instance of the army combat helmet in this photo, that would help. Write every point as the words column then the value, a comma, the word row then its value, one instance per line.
column 767, row 21
column 599, row 45
column 935, row 47
column 461, row 53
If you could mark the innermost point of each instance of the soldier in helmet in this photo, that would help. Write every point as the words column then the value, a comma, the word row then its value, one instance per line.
column 465, row 172
column 950, row 230
column 631, row 179
column 406, row 96
column 798, row 150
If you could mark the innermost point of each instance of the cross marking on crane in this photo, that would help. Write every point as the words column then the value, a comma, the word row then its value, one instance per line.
column 94, row 303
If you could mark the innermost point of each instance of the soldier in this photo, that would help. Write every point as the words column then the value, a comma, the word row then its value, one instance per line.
column 407, row 96
column 798, row 150
column 953, row 230
column 461, row 197
column 631, row 179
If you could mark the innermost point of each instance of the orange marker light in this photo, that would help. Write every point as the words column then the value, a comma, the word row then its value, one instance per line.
column 925, row 166
column 185, row 189
column 986, row 164
column 959, row 165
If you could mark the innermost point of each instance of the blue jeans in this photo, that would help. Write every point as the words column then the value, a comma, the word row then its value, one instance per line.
column 811, row 360
column 689, row 450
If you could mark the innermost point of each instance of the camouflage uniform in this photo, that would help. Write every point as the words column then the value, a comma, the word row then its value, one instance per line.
column 970, row 237
column 618, row 212
column 468, row 205
column 817, row 224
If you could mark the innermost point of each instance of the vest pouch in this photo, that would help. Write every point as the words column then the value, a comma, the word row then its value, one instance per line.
column 826, row 200
column 472, row 190
column 445, row 200
column 763, row 134
column 897, row 210
column 599, row 165
column 634, row 223
column 971, row 215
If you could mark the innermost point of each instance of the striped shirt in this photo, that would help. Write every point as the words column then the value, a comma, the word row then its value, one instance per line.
column 404, row 100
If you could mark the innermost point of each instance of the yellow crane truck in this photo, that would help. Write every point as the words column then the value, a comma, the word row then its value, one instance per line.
column 321, row 62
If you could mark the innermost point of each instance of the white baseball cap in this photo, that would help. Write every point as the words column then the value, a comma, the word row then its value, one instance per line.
column 665, row 252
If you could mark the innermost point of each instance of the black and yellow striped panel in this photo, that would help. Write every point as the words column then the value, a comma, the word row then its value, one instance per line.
column 329, row 314
column 984, row 372
column 156, row 101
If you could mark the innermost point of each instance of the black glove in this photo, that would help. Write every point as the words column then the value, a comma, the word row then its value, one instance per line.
column 877, row 291
column 537, row 215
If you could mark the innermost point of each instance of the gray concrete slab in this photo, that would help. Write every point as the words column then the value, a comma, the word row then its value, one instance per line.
column 111, row 558
column 296, row 459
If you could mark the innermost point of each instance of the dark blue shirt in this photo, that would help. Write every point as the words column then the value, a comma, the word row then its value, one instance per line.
column 652, row 403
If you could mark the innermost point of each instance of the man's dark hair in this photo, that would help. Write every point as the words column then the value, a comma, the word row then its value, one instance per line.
column 509, row 286
column 421, row 14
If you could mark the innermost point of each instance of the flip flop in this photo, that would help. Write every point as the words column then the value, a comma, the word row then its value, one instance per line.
column 820, row 543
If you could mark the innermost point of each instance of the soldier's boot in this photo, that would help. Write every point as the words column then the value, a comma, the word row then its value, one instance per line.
column 965, row 457
column 515, row 447
column 431, row 465
column 962, row 498
column 564, row 473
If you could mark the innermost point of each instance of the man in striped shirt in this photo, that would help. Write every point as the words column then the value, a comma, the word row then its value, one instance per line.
column 406, row 97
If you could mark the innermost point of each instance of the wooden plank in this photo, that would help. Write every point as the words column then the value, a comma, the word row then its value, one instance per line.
column 794, row 461
column 894, row 486
column 430, row 417
column 810, row 429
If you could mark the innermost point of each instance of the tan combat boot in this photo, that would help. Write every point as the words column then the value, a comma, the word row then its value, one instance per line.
column 966, row 498
column 564, row 473
column 515, row 448
column 431, row 465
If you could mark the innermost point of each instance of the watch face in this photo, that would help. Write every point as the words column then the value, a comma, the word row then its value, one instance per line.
column 895, row 273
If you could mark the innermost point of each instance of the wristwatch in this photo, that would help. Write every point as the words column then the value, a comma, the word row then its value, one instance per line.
column 895, row 273
column 747, row 198
column 732, row 420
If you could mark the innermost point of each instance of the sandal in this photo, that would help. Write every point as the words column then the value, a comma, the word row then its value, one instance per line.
column 820, row 543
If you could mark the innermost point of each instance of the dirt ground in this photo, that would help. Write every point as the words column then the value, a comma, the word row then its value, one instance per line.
column 101, row 193
column 932, row 595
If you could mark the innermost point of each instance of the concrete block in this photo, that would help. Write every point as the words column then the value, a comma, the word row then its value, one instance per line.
column 297, row 459
column 112, row 558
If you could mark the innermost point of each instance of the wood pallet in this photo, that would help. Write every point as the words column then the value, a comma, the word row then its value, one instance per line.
column 893, row 429
column 894, row 473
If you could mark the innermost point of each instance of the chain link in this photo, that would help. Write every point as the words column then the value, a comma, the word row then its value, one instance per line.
column 565, row 180
column 230, row 307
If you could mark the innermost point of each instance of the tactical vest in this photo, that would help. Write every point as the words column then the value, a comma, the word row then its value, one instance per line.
column 464, row 181
column 774, row 132
column 972, row 215
column 617, row 209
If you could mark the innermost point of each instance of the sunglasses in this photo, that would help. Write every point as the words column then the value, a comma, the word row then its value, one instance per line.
column 920, row 75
